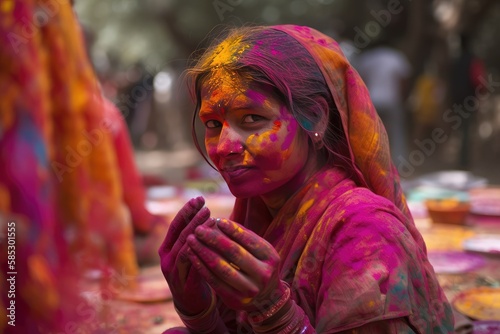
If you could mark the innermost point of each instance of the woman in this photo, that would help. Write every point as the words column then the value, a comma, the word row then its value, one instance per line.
column 320, row 239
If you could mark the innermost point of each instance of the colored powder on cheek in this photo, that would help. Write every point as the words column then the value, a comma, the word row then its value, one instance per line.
column 256, row 142
column 211, row 141
column 274, row 136
column 291, row 127
column 266, row 137
column 211, row 146
column 292, row 130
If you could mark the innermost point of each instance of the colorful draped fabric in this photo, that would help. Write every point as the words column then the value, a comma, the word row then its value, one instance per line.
column 348, row 244
column 367, row 138
column 65, row 162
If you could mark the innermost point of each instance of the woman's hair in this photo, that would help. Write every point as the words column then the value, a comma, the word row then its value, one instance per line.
column 271, row 57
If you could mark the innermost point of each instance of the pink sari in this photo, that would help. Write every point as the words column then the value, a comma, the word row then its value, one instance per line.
column 348, row 244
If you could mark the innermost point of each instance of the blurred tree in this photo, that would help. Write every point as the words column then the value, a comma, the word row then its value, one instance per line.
column 165, row 33
column 156, row 31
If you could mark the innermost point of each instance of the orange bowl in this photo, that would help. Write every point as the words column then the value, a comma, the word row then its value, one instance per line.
column 448, row 211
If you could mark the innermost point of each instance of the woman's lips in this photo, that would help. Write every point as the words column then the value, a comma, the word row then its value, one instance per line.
column 236, row 171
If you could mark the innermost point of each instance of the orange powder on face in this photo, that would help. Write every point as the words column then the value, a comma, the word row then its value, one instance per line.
column 277, row 126
column 258, row 143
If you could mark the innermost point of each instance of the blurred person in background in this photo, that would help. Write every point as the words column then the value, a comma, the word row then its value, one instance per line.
column 426, row 100
column 385, row 71
column 67, row 176
column 466, row 73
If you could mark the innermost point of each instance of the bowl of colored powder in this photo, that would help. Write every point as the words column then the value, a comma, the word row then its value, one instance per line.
column 448, row 211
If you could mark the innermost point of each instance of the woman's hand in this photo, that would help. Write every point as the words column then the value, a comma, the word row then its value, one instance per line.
column 191, row 293
column 241, row 267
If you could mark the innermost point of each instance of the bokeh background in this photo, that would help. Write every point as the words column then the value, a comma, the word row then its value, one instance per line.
column 140, row 49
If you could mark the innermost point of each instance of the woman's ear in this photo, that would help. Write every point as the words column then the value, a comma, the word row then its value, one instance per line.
column 323, row 112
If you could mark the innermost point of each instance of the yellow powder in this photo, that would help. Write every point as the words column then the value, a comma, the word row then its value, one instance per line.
column 229, row 50
column 305, row 207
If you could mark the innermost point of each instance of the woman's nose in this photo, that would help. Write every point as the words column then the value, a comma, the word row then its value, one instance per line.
column 230, row 142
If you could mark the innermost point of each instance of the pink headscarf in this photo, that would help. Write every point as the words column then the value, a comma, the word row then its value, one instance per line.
column 367, row 138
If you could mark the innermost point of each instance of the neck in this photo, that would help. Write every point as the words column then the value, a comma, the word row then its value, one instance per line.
column 276, row 199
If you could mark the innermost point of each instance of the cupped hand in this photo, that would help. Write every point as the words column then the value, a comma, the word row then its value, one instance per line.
column 240, row 266
column 190, row 292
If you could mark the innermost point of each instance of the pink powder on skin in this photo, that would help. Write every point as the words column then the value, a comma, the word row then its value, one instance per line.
column 258, row 97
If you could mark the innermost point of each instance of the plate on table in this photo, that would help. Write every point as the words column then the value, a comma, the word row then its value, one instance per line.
column 151, row 287
column 479, row 303
column 485, row 201
column 486, row 327
column 453, row 179
column 488, row 244
column 454, row 262
column 485, row 206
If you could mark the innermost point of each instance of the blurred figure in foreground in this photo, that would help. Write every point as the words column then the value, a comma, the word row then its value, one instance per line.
column 69, row 190
column 385, row 71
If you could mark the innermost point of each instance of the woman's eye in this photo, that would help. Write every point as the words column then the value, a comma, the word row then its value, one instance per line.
column 212, row 124
column 252, row 118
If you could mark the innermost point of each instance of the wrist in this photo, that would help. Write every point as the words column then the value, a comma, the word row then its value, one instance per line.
column 278, row 306
column 203, row 322
column 284, row 316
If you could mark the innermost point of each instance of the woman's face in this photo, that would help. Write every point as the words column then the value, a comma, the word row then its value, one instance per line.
column 251, row 137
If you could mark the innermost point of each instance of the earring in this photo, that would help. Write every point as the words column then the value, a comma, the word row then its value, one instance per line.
column 317, row 141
